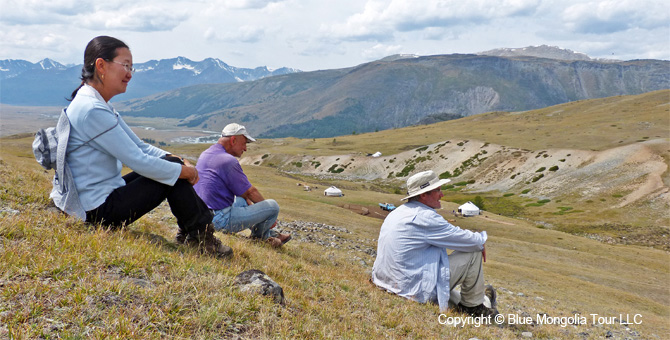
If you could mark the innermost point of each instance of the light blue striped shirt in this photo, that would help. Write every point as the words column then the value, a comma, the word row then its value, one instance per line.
column 412, row 259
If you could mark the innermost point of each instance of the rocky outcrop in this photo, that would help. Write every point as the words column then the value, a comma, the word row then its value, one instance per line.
column 256, row 282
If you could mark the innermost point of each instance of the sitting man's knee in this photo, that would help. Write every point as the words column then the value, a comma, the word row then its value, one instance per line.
column 273, row 204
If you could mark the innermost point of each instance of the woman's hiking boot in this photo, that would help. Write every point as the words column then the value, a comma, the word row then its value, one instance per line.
column 206, row 242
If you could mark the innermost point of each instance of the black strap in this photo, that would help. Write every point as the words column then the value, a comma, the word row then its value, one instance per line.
column 98, row 135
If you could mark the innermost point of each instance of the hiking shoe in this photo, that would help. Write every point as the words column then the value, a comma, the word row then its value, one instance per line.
column 274, row 242
column 208, row 243
column 181, row 236
column 490, row 292
column 479, row 310
column 284, row 238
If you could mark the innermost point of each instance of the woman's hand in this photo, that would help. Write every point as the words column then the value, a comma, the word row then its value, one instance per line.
column 189, row 173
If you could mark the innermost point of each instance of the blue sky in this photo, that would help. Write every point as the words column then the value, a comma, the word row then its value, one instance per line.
column 325, row 34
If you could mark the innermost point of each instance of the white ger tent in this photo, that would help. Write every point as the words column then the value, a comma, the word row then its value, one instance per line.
column 468, row 209
column 333, row 191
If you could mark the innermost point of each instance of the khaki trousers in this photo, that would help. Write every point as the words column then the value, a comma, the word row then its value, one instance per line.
column 465, row 269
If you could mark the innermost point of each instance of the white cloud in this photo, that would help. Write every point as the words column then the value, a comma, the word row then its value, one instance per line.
column 379, row 51
column 143, row 19
column 313, row 34
column 380, row 19
column 27, row 42
column 36, row 12
column 247, row 4
column 603, row 17
column 246, row 34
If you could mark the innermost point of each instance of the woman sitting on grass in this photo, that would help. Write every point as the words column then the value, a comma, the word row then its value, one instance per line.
column 100, row 142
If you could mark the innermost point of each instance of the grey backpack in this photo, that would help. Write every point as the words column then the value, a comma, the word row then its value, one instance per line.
column 45, row 144
column 50, row 148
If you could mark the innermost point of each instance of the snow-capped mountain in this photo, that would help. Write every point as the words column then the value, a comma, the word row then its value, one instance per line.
column 48, row 82
column 542, row 51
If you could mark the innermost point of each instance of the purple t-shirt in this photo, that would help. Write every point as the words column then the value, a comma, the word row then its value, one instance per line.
column 221, row 178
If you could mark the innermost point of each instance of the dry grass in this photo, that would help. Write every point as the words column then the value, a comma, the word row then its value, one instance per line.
column 62, row 279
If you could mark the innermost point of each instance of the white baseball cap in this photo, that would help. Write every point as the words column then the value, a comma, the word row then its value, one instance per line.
column 423, row 182
column 234, row 129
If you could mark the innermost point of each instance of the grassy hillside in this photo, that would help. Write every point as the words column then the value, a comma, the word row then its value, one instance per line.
column 597, row 168
column 63, row 279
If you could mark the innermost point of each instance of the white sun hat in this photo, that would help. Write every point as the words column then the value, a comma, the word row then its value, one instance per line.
column 234, row 129
column 423, row 182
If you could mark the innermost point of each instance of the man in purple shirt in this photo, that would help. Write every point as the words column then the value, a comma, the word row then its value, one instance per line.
column 224, row 187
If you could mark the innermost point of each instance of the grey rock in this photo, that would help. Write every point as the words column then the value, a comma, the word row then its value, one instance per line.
column 527, row 334
column 8, row 211
column 256, row 282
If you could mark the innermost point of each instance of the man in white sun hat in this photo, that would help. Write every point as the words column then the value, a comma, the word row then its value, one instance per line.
column 412, row 260
column 224, row 187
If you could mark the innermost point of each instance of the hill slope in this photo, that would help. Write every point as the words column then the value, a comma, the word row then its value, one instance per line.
column 400, row 92
column 60, row 278
column 593, row 162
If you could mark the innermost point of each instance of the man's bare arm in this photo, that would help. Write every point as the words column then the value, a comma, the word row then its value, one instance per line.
column 253, row 195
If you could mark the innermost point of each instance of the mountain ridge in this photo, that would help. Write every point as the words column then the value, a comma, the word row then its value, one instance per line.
column 49, row 83
column 383, row 95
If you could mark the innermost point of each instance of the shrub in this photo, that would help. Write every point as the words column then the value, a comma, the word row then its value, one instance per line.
column 445, row 175
column 265, row 156
column 554, row 168
column 508, row 194
column 335, row 170
column 537, row 178
column 405, row 171
column 525, row 191
column 540, row 169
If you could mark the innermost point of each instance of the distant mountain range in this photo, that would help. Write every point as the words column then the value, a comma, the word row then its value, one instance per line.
column 393, row 92
column 48, row 82
column 402, row 90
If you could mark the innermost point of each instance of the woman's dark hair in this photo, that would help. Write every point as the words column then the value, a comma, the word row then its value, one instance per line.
column 100, row 47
